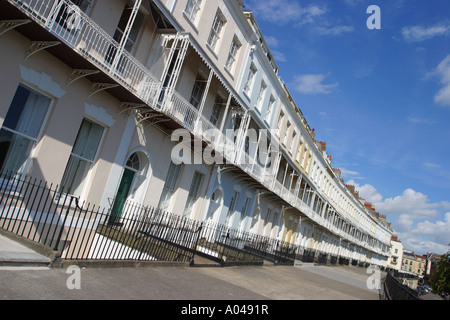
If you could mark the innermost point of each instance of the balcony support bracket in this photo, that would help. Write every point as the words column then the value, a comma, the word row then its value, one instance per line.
column 97, row 87
column 81, row 73
column 37, row 46
column 153, row 118
column 130, row 106
column 225, row 168
column 6, row 25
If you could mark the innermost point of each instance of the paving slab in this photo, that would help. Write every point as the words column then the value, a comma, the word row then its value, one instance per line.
column 13, row 253
column 22, row 278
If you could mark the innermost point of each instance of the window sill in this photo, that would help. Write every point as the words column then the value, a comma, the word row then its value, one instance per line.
column 267, row 121
column 229, row 72
column 247, row 95
column 212, row 51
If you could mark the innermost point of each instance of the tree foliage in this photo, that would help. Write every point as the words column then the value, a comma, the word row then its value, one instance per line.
column 440, row 282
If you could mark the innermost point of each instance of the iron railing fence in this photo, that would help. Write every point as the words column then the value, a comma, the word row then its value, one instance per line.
column 228, row 244
column 394, row 290
column 145, row 234
column 40, row 212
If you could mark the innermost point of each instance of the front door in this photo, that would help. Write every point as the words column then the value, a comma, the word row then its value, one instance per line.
column 122, row 194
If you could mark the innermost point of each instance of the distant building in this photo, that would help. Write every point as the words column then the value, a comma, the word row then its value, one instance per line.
column 433, row 260
column 413, row 264
column 396, row 258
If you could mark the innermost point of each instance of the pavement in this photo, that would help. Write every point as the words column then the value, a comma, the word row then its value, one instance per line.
column 13, row 253
column 26, row 274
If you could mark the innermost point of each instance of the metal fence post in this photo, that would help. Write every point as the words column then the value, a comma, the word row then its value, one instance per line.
column 199, row 231
column 63, row 224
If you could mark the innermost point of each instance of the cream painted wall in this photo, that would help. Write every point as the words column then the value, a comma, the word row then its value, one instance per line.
column 201, row 32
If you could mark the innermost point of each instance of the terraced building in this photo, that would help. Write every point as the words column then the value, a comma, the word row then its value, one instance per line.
column 175, row 105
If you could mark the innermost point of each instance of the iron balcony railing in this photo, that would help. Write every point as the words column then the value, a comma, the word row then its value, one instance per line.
column 72, row 26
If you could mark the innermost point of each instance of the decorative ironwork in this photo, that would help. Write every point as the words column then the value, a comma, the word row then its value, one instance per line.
column 81, row 73
column 6, row 25
column 97, row 87
column 37, row 46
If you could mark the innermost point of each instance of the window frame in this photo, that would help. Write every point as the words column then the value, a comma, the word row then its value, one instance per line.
column 270, row 107
column 192, row 9
column 198, row 90
column 248, row 87
column 244, row 210
column 232, row 207
column 232, row 55
column 216, row 109
column 91, row 162
column 193, row 194
column 39, row 133
column 216, row 31
column 261, row 96
column 169, row 189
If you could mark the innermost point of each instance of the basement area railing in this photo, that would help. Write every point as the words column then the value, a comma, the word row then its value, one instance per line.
column 39, row 212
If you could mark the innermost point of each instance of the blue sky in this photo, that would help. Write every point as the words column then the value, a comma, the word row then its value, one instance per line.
column 379, row 98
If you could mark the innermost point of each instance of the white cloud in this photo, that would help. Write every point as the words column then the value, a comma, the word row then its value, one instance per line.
column 413, row 203
column 310, row 13
column 346, row 173
column 271, row 41
column 417, row 221
column 364, row 67
column 443, row 72
column 353, row 3
column 417, row 120
column 439, row 230
column 367, row 192
column 404, row 223
column 427, row 236
column 285, row 11
column 445, row 204
column 432, row 165
column 420, row 33
column 313, row 84
column 443, row 69
column 350, row 174
column 420, row 245
column 443, row 97
column 334, row 31
column 282, row 12
column 279, row 56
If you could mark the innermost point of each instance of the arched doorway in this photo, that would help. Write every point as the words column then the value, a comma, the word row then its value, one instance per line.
column 131, row 169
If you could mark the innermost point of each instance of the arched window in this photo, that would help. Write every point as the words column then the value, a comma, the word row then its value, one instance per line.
column 133, row 162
